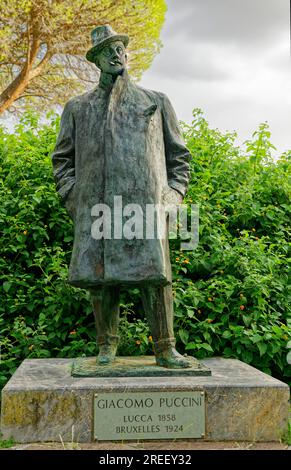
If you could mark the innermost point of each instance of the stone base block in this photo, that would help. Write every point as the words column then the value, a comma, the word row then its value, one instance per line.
column 42, row 401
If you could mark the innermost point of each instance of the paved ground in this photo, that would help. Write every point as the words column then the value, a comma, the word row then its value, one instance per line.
column 172, row 446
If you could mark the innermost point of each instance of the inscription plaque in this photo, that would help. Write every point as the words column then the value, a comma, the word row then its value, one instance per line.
column 149, row 415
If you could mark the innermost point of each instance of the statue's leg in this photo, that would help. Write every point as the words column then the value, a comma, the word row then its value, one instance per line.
column 106, row 312
column 158, row 306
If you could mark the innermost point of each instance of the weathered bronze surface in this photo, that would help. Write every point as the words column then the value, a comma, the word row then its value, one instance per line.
column 141, row 366
column 121, row 140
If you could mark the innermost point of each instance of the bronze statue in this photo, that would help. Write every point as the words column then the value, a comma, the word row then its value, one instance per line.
column 121, row 140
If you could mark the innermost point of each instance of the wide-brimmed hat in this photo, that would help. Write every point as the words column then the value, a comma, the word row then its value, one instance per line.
column 101, row 36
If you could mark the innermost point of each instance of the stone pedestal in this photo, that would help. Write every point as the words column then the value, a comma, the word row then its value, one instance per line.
column 42, row 401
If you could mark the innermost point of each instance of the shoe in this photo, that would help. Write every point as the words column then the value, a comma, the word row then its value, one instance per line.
column 106, row 354
column 171, row 359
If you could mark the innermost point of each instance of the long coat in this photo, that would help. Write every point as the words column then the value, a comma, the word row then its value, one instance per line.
column 123, row 142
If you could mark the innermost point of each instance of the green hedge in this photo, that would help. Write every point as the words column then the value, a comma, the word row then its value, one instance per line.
column 231, row 293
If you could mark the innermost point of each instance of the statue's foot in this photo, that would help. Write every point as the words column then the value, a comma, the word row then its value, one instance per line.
column 171, row 359
column 106, row 354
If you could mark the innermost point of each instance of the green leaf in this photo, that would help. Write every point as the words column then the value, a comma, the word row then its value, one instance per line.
column 247, row 320
column 190, row 313
column 184, row 335
column 256, row 338
column 247, row 356
column 207, row 347
column 227, row 334
column 262, row 348
column 7, row 285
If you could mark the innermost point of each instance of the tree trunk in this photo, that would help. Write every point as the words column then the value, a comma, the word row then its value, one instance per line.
column 13, row 91
column 16, row 88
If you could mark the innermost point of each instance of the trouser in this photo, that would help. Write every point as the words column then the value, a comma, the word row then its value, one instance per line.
column 158, row 307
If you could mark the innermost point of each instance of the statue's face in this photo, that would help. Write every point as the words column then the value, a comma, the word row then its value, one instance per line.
column 112, row 58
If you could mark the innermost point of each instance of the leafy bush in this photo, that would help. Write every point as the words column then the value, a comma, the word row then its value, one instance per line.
column 39, row 311
column 231, row 295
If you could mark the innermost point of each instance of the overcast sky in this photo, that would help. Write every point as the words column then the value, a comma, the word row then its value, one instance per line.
column 232, row 59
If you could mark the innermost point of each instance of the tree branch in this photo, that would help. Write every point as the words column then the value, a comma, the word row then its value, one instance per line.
column 39, row 68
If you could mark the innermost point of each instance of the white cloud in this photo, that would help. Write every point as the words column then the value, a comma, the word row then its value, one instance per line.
column 230, row 58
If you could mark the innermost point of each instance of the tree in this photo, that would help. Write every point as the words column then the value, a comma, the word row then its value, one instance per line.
column 43, row 45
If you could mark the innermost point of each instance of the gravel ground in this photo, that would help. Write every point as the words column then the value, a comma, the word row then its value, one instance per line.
column 172, row 446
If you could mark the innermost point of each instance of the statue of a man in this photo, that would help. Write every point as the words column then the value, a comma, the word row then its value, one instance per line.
column 121, row 142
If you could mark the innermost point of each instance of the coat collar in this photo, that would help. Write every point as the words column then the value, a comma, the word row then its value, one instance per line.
column 120, row 87
column 123, row 90
column 107, row 85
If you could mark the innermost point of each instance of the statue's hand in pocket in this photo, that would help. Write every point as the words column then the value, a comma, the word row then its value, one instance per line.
column 70, row 203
